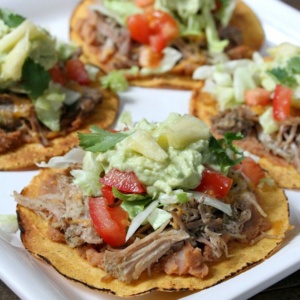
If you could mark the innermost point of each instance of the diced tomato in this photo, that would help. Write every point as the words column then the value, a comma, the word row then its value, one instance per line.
column 139, row 28
column 257, row 96
column 149, row 58
column 57, row 75
column 143, row 3
column 214, row 183
column 157, row 43
column 126, row 182
column 156, row 28
column 108, row 194
column 109, row 222
column 76, row 71
column 282, row 102
column 162, row 23
column 251, row 169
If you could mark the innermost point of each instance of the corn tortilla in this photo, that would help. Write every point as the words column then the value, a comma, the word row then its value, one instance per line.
column 204, row 106
column 68, row 262
column 180, row 77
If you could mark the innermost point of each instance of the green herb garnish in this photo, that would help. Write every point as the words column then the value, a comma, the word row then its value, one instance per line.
column 283, row 77
column 10, row 19
column 223, row 153
column 294, row 65
column 35, row 79
column 100, row 140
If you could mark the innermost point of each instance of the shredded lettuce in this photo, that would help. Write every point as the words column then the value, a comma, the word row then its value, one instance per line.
column 115, row 81
column 140, row 218
column 64, row 51
column 9, row 223
column 116, row 10
column 267, row 121
column 158, row 217
column 48, row 107
column 74, row 156
column 87, row 178
column 207, row 200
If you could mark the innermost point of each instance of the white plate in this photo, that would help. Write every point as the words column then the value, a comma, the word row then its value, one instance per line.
column 30, row 279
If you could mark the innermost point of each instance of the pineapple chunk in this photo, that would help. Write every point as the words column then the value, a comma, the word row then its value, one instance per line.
column 142, row 142
column 187, row 130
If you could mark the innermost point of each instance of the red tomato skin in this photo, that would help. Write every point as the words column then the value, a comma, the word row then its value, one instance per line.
column 57, row 75
column 155, row 27
column 126, row 182
column 214, row 183
column 257, row 96
column 138, row 27
column 163, row 24
column 108, row 194
column 157, row 43
column 109, row 222
column 76, row 71
column 251, row 169
column 282, row 102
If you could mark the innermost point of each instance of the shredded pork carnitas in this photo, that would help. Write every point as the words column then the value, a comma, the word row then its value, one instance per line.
column 284, row 143
column 196, row 235
column 113, row 47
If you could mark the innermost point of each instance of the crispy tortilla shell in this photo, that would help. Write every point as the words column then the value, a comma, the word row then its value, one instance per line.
column 25, row 156
column 204, row 106
column 180, row 77
column 68, row 262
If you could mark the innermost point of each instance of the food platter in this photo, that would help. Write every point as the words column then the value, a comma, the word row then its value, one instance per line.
column 30, row 279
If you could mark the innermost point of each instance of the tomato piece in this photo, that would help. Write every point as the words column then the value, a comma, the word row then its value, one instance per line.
column 282, row 102
column 126, row 182
column 163, row 24
column 157, row 43
column 139, row 28
column 257, row 96
column 149, row 58
column 109, row 222
column 155, row 27
column 251, row 169
column 57, row 75
column 76, row 71
column 144, row 3
column 108, row 194
column 214, row 183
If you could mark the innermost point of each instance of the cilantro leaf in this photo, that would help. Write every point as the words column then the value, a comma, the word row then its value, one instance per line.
column 35, row 79
column 223, row 153
column 100, row 140
column 283, row 77
column 294, row 65
column 10, row 19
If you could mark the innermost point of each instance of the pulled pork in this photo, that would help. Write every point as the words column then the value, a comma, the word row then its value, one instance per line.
column 196, row 235
column 113, row 47
column 284, row 143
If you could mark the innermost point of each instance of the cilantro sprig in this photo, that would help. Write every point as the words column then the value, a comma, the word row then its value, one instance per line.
column 12, row 20
column 100, row 140
column 286, row 76
column 283, row 77
column 35, row 79
column 223, row 153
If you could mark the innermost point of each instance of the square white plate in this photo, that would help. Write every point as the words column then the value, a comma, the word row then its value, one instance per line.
column 30, row 279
